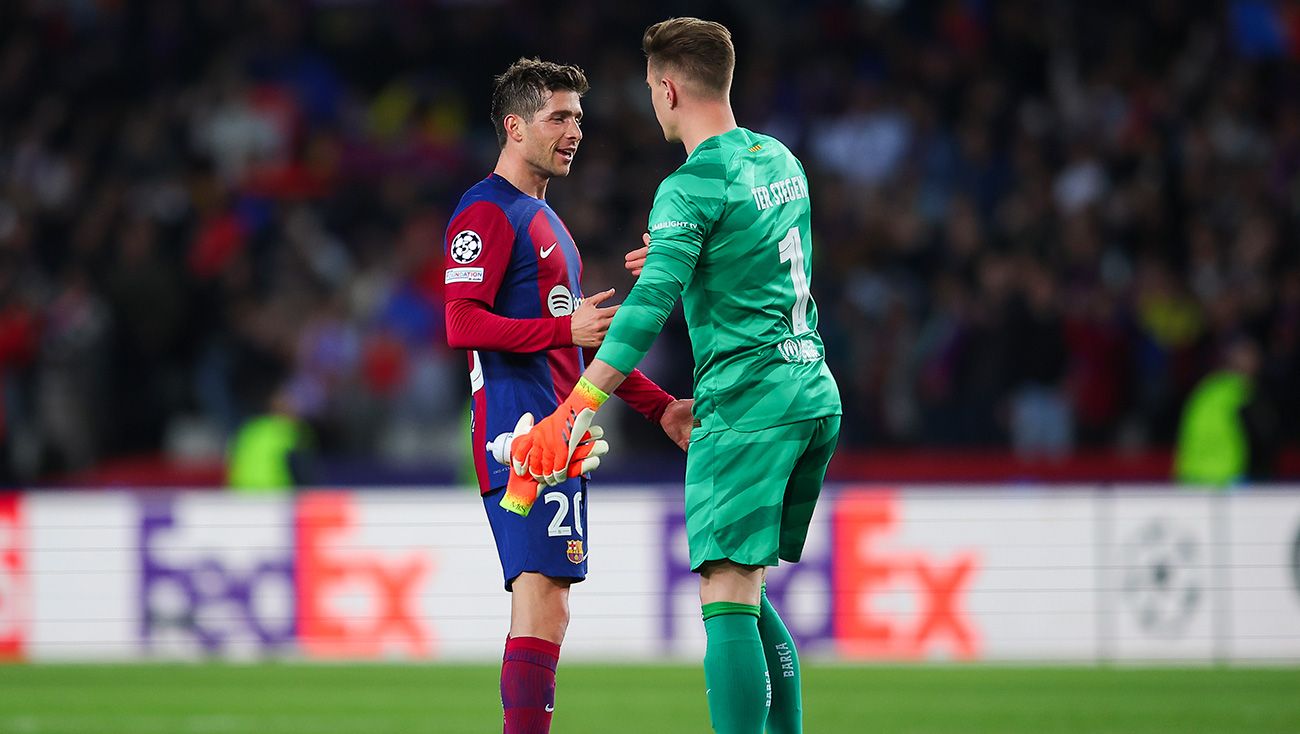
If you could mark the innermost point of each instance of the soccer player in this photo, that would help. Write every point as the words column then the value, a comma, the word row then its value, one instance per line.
column 729, row 232
column 514, row 300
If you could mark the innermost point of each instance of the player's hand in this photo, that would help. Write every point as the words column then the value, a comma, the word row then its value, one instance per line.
column 586, row 458
column 677, row 421
column 590, row 323
column 521, row 491
column 634, row 261
column 546, row 450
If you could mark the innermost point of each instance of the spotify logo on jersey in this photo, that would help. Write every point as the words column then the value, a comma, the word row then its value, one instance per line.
column 560, row 301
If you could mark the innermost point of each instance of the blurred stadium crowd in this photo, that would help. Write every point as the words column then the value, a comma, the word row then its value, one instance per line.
column 1036, row 227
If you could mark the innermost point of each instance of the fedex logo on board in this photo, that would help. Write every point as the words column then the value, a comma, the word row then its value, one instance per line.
column 215, row 579
column 863, row 593
column 354, row 602
column 274, row 576
column 866, row 574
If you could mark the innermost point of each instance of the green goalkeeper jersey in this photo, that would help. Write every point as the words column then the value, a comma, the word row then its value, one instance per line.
column 730, row 234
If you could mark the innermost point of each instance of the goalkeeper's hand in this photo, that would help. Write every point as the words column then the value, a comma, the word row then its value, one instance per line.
column 521, row 491
column 546, row 451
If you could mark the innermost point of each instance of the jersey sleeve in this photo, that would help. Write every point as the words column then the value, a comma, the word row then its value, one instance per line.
column 644, row 396
column 470, row 325
column 641, row 393
column 685, row 207
column 477, row 249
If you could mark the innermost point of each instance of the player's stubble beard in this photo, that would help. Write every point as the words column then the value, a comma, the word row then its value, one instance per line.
column 545, row 157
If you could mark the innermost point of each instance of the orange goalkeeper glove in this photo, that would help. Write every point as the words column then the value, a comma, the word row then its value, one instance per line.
column 521, row 490
column 545, row 452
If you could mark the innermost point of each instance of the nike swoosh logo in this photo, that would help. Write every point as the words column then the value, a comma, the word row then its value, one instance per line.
column 550, row 707
column 546, row 251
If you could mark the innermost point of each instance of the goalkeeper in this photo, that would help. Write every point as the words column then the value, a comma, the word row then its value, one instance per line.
column 729, row 232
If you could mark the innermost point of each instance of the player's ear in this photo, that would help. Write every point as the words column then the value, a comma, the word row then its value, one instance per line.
column 514, row 127
column 670, row 92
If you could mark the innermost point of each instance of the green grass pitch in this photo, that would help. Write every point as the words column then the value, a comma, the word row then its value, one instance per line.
column 609, row 699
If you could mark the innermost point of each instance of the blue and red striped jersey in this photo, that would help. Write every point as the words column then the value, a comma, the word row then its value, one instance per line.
column 511, row 252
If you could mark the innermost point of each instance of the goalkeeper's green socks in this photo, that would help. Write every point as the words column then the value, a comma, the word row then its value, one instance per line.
column 786, row 714
column 735, row 670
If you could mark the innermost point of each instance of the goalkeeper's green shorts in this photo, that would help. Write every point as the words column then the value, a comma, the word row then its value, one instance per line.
column 750, row 494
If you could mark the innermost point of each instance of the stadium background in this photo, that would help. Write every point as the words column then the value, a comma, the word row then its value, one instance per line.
column 1039, row 226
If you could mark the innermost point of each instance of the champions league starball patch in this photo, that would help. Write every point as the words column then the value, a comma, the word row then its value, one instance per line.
column 466, row 246
column 1164, row 584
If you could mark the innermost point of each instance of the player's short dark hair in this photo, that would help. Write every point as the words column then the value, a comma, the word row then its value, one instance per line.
column 700, row 50
column 521, row 89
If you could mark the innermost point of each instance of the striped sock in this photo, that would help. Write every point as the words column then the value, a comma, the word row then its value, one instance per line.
column 528, row 684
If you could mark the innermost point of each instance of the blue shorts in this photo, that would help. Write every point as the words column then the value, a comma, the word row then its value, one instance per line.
column 551, row 541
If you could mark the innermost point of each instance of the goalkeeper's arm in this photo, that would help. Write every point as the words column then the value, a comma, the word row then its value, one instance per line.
column 545, row 451
column 641, row 317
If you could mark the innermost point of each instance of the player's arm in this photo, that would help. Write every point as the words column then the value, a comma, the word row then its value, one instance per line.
column 470, row 325
column 546, row 453
column 677, row 224
column 641, row 393
column 658, row 406
column 669, row 268
column 473, row 275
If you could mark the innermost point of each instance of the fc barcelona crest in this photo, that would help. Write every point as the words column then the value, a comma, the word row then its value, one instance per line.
column 575, row 551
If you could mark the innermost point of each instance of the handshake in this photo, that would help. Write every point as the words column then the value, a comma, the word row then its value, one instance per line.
column 533, row 462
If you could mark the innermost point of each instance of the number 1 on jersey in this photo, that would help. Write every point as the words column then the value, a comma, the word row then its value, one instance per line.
column 792, row 252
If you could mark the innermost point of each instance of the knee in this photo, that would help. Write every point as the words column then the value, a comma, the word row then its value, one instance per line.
column 730, row 582
column 554, row 619
column 558, row 614
column 540, row 609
